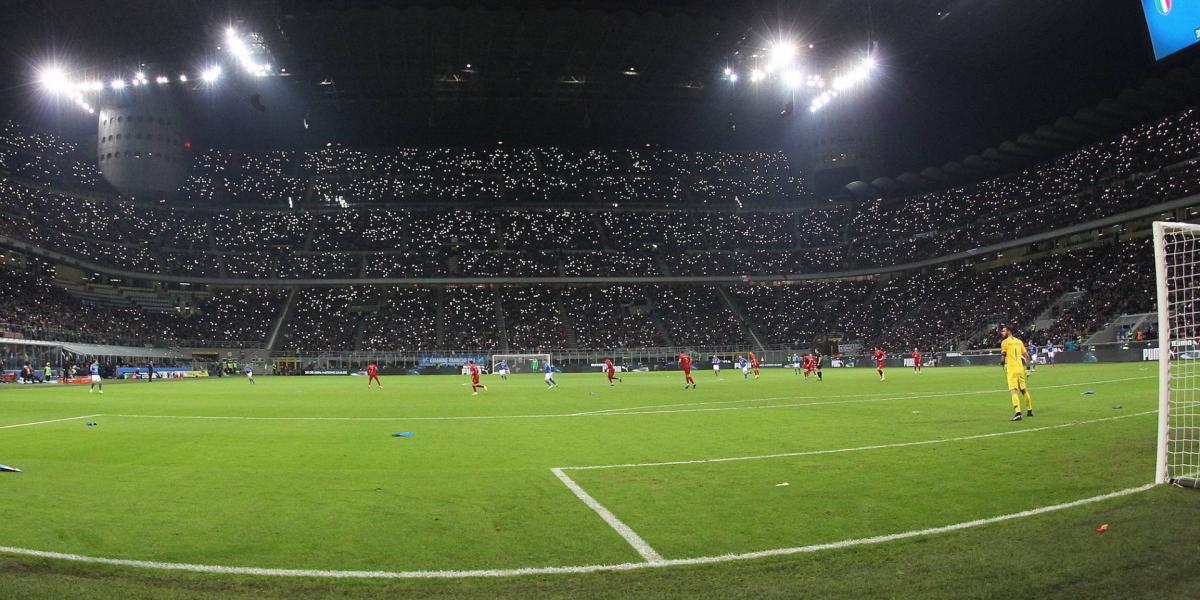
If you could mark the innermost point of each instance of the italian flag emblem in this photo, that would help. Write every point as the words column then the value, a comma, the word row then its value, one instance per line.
column 1163, row 6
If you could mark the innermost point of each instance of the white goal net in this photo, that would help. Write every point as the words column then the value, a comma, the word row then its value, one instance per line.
column 521, row 363
column 1177, row 266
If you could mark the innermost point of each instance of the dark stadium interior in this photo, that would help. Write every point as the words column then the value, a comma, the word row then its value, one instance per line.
column 426, row 190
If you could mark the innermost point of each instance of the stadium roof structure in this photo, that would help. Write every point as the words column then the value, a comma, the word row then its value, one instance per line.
column 584, row 73
column 1174, row 90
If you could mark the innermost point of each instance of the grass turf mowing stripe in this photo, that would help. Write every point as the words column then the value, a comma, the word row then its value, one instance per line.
column 450, row 574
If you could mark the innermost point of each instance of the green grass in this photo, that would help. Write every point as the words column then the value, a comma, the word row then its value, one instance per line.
column 310, row 492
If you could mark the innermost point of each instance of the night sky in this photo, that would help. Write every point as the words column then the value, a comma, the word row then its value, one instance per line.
column 948, row 85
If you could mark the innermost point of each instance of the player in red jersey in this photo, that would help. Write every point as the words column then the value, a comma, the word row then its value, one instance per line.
column 754, row 364
column 916, row 360
column 685, row 361
column 879, row 356
column 611, row 370
column 810, row 365
column 373, row 375
column 475, row 385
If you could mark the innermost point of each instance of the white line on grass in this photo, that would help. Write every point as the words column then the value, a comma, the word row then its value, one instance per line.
column 50, row 421
column 632, row 410
column 875, row 397
column 856, row 448
column 635, row 540
column 700, row 560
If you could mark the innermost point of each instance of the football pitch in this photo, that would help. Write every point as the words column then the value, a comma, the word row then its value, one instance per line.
column 850, row 486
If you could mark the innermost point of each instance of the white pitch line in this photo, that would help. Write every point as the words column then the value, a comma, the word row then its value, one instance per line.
column 874, row 396
column 634, row 410
column 856, row 448
column 50, row 421
column 629, row 535
column 459, row 574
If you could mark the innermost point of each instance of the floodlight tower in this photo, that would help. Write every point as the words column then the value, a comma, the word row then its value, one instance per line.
column 140, row 137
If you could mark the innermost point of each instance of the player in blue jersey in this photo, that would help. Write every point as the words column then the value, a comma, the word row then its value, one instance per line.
column 502, row 370
column 745, row 365
column 716, row 363
column 550, row 383
column 250, row 374
column 796, row 365
column 94, row 370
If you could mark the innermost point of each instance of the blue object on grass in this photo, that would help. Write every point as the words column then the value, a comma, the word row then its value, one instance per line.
column 9, row 469
column 1088, row 393
column 404, row 434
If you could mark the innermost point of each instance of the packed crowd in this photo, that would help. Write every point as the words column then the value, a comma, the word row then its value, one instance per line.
column 673, row 233
column 949, row 306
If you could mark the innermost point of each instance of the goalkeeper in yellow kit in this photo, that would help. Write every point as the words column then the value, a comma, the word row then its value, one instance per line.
column 1015, row 357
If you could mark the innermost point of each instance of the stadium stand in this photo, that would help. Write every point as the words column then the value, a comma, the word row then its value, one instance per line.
column 357, row 216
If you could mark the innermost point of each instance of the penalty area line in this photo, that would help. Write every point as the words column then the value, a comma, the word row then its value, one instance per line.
column 50, row 421
column 962, row 438
column 581, row 569
column 628, row 534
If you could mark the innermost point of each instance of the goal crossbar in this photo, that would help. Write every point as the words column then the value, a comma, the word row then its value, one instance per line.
column 521, row 363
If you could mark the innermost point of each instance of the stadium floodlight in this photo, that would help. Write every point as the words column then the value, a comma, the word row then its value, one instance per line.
column 182, row 78
column 161, row 79
column 94, row 86
column 117, row 83
column 728, row 71
column 781, row 54
column 733, row 77
column 54, row 80
column 793, row 79
column 756, row 74
column 211, row 74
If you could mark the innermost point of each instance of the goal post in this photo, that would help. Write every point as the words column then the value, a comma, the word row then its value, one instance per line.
column 1177, row 278
column 521, row 363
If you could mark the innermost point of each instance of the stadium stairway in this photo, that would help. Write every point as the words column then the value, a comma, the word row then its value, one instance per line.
column 439, row 321
column 741, row 315
column 501, row 324
column 568, row 323
column 600, row 229
column 285, row 313
column 1049, row 317
column 1108, row 334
